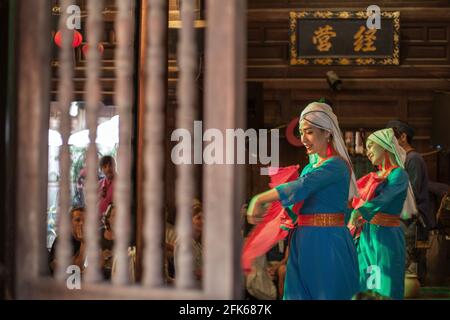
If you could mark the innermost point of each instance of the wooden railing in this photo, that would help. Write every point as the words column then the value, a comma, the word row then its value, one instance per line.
column 224, row 108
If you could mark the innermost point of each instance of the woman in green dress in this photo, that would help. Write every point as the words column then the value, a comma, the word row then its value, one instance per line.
column 383, row 197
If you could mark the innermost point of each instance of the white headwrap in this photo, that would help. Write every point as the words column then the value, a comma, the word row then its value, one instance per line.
column 386, row 139
column 321, row 116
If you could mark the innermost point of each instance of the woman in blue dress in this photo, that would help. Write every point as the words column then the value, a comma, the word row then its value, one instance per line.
column 322, row 262
column 384, row 196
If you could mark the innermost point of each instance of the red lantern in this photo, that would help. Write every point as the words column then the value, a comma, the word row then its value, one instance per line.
column 77, row 39
column 290, row 135
column 85, row 49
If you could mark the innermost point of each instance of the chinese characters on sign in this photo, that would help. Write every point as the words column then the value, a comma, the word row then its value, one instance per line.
column 322, row 38
column 364, row 39
column 343, row 38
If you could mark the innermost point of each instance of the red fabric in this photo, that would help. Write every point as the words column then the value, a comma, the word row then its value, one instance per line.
column 268, row 232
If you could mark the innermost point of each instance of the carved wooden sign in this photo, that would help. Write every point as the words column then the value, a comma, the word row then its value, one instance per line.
column 343, row 38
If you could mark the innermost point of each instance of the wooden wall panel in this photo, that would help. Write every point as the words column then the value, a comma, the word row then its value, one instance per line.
column 438, row 34
column 371, row 95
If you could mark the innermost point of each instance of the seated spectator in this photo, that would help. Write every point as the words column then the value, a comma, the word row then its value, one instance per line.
column 258, row 283
column 197, row 252
column 170, row 239
column 277, row 270
column 109, row 262
column 107, row 241
column 77, row 241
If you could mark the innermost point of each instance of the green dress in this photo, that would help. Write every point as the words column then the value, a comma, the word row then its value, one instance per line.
column 381, row 250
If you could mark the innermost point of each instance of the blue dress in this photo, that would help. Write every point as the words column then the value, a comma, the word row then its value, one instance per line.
column 381, row 250
column 322, row 262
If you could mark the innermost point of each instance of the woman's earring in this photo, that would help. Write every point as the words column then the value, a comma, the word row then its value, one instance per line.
column 329, row 149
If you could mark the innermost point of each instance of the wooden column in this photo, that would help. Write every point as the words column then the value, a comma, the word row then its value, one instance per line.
column 93, row 101
column 124, row 101
column 184, row 188
column 224, row 108
column 140, row 138
column 156, row 67
column 32, row 143
column 65, row 96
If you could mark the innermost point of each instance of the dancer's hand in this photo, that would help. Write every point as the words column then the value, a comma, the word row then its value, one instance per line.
column 255, row 211
column 355, row 219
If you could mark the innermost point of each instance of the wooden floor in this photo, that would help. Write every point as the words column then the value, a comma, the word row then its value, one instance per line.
column 433, row 293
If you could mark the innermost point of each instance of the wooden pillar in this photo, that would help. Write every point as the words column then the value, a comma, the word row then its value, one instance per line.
column 224, row 184
column 141, row 125
column 184, row 188
column 93, row 100
column 65, row 96
column 156, row 84
column 124, row 101
column 32, row 143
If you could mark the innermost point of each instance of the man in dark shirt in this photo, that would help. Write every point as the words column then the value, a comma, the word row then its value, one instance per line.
column 416, row 168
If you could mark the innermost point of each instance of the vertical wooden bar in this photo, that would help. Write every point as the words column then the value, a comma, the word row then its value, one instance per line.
column 124, row 101
column 224, row 108
column 184, row 188
column 93, row 100
column 154, row 143
column 65, row 95
column 32, row 143
column 140, row 138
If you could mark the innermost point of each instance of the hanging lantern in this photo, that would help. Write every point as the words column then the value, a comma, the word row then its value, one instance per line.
column 85, row 49
column 77, row 39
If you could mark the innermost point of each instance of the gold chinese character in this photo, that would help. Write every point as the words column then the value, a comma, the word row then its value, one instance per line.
column 322, row 38
column 364, row 39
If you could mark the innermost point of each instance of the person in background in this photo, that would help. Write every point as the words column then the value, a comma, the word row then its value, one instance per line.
column 277, row 270
column 417, row 171
column 107, row 165
column 78, row 199
column 170, row 240
column 77, row 241
column 197, row 251
column 107, row 238
column 107, row 241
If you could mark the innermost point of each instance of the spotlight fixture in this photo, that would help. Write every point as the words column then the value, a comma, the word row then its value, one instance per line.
column 334, row 81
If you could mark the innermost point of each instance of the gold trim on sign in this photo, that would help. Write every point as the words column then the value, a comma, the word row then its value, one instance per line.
column 393, row 59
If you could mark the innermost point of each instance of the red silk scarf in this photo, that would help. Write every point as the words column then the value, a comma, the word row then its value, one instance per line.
column 276, row 224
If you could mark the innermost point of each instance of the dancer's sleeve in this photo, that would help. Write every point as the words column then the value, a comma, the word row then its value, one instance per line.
column 393, row 190
column 329, row 172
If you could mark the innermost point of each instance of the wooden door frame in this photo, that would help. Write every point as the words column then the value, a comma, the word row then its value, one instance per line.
column 8, row 27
